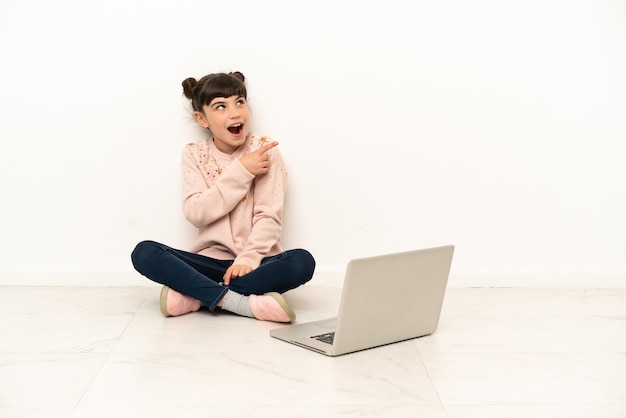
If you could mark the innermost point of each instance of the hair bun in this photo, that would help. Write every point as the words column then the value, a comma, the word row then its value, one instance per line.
column 238, row 76
column 189, row 86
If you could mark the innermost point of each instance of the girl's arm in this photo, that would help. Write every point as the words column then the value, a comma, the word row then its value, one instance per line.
column 269, row 198
column 204, row 203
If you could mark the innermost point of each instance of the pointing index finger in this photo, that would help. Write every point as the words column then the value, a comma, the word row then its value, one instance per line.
column 268, row 147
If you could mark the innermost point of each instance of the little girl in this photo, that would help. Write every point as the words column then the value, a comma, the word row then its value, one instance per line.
column 234, row 188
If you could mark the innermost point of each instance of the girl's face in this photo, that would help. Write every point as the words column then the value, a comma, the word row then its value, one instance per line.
column 227, row 118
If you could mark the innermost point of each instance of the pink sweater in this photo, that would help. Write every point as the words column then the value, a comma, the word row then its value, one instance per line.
column 237, row 215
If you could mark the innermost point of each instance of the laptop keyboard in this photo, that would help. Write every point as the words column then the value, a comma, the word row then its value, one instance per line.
column 327, row 338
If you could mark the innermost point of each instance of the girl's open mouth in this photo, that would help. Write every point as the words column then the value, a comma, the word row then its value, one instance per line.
column 235, row 129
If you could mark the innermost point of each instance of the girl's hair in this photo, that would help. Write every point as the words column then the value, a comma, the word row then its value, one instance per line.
column 210, row 86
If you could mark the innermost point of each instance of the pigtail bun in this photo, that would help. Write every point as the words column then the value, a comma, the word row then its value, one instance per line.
column 189, row 86
column 238, row 76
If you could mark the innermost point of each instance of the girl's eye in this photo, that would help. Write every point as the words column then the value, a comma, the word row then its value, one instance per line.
column 219, row 107
column 241, row 102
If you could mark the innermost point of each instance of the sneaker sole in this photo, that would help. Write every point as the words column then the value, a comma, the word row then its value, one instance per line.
column 163, row 302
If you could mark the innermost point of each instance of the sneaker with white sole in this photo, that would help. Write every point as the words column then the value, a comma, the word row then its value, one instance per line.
column 271, row 307
column 176, row 304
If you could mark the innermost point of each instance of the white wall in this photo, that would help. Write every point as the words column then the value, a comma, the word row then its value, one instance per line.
column 497, row 126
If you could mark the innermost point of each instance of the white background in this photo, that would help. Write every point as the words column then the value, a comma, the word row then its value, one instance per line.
column 497, row 126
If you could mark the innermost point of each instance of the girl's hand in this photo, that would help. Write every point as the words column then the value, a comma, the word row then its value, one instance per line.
column 234, row 271
column 258, row 162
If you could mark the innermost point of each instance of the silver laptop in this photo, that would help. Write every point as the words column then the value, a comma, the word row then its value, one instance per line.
column 385, row 299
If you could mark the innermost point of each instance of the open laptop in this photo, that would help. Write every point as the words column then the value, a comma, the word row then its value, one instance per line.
column 385, row 299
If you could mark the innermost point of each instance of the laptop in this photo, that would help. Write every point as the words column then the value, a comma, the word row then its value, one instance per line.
column 385, row 299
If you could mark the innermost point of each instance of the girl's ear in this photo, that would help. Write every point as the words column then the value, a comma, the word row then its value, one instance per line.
column 201, row 119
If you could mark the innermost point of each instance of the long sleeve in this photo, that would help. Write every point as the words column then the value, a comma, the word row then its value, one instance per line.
column 211, row 195
column 269, row 197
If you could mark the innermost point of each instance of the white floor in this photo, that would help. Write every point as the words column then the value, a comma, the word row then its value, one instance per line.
column 107, row 352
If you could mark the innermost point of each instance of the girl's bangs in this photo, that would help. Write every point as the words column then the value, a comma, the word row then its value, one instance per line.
column 223, row 86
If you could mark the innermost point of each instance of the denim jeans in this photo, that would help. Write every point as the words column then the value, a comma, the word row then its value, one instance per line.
column 201, row 277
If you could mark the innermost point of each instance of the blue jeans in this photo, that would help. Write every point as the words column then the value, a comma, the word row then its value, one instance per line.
column 201, row 277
